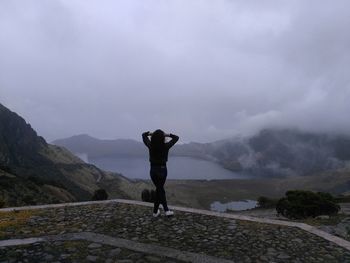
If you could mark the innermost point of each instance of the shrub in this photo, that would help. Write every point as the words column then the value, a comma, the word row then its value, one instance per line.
column 29, row 200
column 148, row 195
column 2, row 203
column 100, row 194
column 265, row 202
column 302, row 204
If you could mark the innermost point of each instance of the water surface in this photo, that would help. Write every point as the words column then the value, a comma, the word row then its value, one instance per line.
column 178, row 168
column 235, row 205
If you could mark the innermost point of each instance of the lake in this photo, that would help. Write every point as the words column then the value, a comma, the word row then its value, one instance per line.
column 178, row 168
column 234, row 206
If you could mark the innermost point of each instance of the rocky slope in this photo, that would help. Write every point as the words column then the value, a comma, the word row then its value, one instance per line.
column 33, row 171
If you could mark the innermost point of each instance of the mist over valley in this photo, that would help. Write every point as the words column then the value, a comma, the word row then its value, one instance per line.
column 269, row 153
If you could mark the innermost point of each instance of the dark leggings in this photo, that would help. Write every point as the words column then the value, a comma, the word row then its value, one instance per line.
column 158, row 176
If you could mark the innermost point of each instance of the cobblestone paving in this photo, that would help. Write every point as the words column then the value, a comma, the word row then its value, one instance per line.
column 236, row 240
column 76, row 251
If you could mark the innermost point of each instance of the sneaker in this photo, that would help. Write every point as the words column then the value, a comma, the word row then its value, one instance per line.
column 156, row 214
column 169, row 213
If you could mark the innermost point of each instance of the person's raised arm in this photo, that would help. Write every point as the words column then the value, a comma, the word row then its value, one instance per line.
column 174, row 139
column 145, row 138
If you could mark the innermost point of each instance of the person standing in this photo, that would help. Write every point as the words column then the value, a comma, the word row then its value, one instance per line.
column 158, row 157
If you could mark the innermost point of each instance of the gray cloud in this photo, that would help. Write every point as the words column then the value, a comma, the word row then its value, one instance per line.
column 203, row 69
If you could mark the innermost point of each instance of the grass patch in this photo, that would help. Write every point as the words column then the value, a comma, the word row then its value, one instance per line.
column 14, row 219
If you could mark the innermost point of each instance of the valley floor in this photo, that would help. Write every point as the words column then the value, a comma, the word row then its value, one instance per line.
column 127, row 232
column 202, row 193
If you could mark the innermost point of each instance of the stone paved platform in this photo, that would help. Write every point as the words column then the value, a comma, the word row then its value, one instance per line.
column 125, row 231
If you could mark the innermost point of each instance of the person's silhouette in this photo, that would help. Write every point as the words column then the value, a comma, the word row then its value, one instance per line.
column 158, row 156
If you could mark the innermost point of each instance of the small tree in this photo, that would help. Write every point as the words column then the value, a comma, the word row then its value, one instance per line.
column 265, row 202
column 302, row 204
column 100, row 194
column 148, row 195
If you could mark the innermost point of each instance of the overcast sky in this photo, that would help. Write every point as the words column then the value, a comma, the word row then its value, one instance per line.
column 202, row 69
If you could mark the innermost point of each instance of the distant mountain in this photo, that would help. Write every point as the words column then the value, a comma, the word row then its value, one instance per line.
column 96, row 148
column 33, row 171
column 84, row 144
column 270, row 153
column 284, row 152
column 277, row 153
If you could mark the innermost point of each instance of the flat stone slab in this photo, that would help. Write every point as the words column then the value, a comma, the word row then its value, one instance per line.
column 195, row 234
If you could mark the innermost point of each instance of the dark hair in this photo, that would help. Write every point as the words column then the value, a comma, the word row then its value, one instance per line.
column 158, row 140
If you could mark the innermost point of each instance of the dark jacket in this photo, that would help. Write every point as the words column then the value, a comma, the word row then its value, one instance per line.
column 159, row 156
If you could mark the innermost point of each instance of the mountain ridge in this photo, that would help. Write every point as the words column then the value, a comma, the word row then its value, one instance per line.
column 269, row 153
